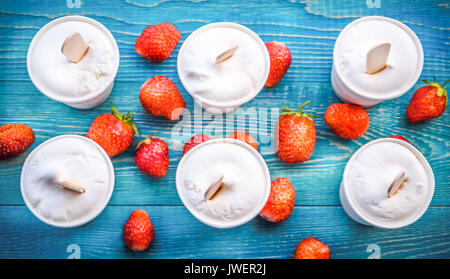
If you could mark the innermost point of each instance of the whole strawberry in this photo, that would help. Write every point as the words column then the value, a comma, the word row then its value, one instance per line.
column 113, row 131
column 398, row 137
column 296, row 135
column 347, row 121
column 428, row 102
column 14, row 140
column 281, row 201
column 245, row 137
column 138, row 231
column 195, row 140
column 312, row 248
column 160, row 97
column 280, row 60
column 157, row 42
column 152, row 157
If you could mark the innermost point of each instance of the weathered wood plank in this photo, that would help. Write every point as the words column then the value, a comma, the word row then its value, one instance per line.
column 180, row 235
column 299, row 25
column 316, row 180
column 309, row 28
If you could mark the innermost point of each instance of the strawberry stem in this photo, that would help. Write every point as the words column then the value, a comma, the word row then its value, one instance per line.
column 302, row 106
column 287, row 111
column 440, row 88
column 147, row 140
column 127, row 118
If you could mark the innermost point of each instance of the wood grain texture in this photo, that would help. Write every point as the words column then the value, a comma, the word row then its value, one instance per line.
column 180, row 235
column 309, row 29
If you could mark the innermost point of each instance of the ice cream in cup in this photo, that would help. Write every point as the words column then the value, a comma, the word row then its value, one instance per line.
column 74, row 60
column 67, row 181
column 223, row 65
column 223, row 182
column 375, row 59
column 387, row 183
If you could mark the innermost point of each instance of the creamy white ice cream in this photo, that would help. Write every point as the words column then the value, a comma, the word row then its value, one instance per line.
column 356, row 42
column 67, row 158
column 370, row 173
column 59, row 75
column 245, row 178
column 350, row 79
column 85, row 84
column 235, row 80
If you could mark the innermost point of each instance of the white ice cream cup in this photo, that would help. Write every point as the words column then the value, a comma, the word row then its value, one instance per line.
column 205, row 219
column 350, row 205
column 92, row 214
column 348, row 92
column 217, row 106
column 92, row 99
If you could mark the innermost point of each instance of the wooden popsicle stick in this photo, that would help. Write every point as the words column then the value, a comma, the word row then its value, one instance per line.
column 74, row 47
column 70, row 186
column 377, row 57
column 396, row 184
column 214, row 188
column 226, row 54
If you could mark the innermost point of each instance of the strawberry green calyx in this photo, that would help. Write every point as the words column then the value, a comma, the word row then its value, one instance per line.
column 127, row 118
column 287, row 111
column 440, row 88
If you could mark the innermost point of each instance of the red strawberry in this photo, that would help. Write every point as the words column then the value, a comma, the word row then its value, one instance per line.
column 296, row 135
column 245, row 137
column 157, row 42
column 281, row 201
column 428, row 102
column 160, row 97
column 312, row 248
column 113, row 131
column 280, row 60
column 152, row 157
column 138, row 231
column 398, row 137
column 347, row 121
column 195, row 140
column 14, row 140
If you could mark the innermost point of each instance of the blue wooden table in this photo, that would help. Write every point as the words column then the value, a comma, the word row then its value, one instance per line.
column 309, row 29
